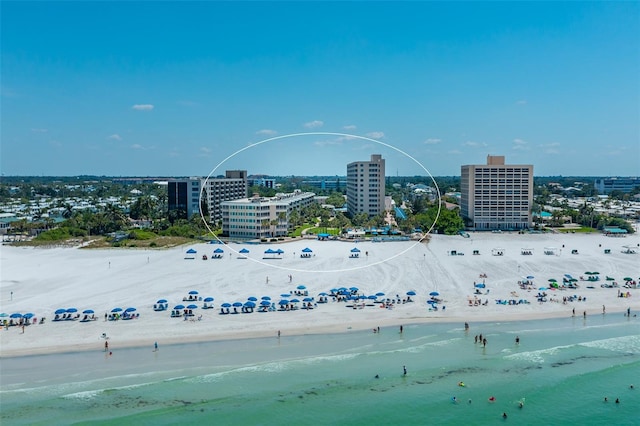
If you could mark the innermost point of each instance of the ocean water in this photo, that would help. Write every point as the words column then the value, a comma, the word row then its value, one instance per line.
column 562, row 370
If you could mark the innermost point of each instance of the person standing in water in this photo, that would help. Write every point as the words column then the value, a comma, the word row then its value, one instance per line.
column 155, row 346
column 404, row 370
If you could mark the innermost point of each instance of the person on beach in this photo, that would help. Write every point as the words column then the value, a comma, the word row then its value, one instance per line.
column 401, row 329
column 404, row 370
column 466, row 326
column 603, row 310
column 584, row 314
column 517, row 340
column 106, row 346
column 574, row 312
column 155, row 346
column 484, row 342
column 278, row 333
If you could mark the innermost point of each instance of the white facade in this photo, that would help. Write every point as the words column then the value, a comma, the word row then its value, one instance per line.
column 261, row 217
column 366, row 186
column 497, row 196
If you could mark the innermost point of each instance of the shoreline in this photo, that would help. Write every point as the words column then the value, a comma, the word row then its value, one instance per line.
column 297, row 332
column 44, row 280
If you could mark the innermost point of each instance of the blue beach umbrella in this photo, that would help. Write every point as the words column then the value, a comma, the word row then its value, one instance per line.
column 218, row 250
column 434, row 293
column 283, row 302
column 15, row 315
column 355, row 250
column 226, row 305
column 380, row 294
column 322, row 294
column 88, row 311
column 162, row 301
column 72, row 310
column 307, row 250
column 116, row 310
column 208, row 299
column 191, row 251
column 193, row 292
column 244, row 251
column 178, row 307
column 285, row 295
column 308, row 299
column 411, row 293
column 301, row 287
column 542, row 288
column 431, row 302
column 252, row 299
column 130, row 310
column 294, row 301
column 3, row 315
column 353, row 288
column 279, row 251
column 60, row 311
column 372, row 297
column 249, row 304
column 237, row 304
column 269, row 251
column 192, row 307
column 266, row 298
column 530, row 277
column 28, row 315
column 265, row 303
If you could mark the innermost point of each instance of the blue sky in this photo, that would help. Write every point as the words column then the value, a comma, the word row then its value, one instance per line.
column 172, row 88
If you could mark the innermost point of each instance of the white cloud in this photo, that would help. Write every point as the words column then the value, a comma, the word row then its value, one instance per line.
column 314, row 124
column 455, row 152
column 142, row 107
column 432, row 141
column 266, row 132
column 521, row 102
column 550, row 148
column 349, row 127
column 39, row 130
column 204, row 151
column 115, row 137
column 375, row 135
column 137, row 146
column 519, row 144
column 474, row 143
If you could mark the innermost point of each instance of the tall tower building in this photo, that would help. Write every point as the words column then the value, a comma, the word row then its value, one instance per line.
column 365, row 186
column 496, row 196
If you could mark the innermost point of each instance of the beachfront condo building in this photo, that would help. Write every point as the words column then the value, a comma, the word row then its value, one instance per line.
column 262, row 217
column 365, row 186
column 184, row 194
column 496, row 196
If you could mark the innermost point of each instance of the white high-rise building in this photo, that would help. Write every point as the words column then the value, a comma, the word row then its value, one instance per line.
column 496, row 196
column 365, row 186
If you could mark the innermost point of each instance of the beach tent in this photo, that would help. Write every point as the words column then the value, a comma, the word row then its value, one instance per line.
column 217, row 253
column 497, row 251
column 243, row 253
column 190, row 254
column 307, row 250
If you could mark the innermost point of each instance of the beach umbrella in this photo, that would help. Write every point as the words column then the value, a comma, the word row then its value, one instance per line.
column 252, row 299
column 307, row 250
column 530, row 277
column 269, row 251
column 28, row 315
column 218, row 250
column 116, row 310
column 552, row 280
column 308, row 299
column 431, row 302
column 192, row 307
column 72, row 310
column 191, row 251
column 193, row 292
column 266, row 298
column 88, row 311
column 15, row 315
column 294, row 301
column 265, row 303
column 353, row 288
column 3, row 315
column 178, row 307
column 283, row 302
column 244, row 251
column 480, row 285
column 226, row 305
column 60, row 311
column 628, row 279
column 355, row 250
column 285, row 295
column 249, row 304
column 380, row 294
column 542, row 288
column 322, row 294
column 434, row 293
column 130, row 310
column 372, row 297
column 411, row 293
column 610, row 279
column 595, row 273
column 301, row 287
column 237, row 304
column 162, row 301
column 279, row 251
column 208, row 299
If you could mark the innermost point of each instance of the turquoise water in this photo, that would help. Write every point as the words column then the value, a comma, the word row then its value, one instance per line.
column 562, row 368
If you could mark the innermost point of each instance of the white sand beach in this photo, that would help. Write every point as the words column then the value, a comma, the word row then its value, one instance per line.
column 42, row 280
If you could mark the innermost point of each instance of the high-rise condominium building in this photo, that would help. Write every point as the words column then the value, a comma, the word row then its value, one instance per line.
column 365, row 186
column 496, row 196
column 184, row 194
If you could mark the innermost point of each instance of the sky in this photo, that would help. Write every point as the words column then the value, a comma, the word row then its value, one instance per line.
column 194, row 88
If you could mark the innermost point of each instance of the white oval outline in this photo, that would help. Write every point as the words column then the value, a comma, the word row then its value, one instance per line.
column 321, row 134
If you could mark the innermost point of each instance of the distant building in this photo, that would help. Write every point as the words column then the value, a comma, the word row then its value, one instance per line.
column 184, row 194
column 266, row 182
column 261, row 217
column 622, row 184
column 323, row 183
column 496, row 196
column 366, row 186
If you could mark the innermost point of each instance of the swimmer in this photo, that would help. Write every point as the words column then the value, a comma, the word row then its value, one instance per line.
column 504, row 415
column 404, row 369
column 377, row 376
column 492, row 399
column 469, row 400
column 461, row 384
column 617, row 401
column 630, row 386
column 606, row 399
column 454, row 399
